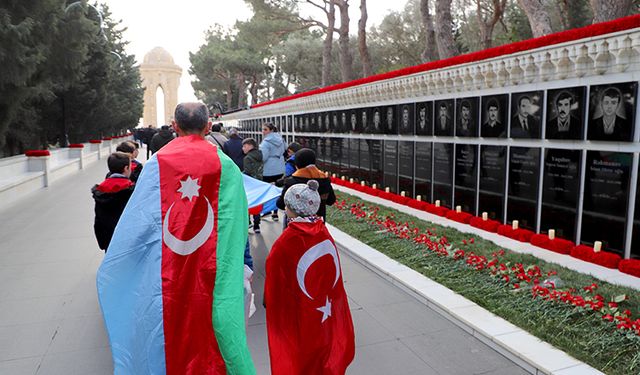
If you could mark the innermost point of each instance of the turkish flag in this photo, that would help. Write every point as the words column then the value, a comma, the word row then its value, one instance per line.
column 308, row 319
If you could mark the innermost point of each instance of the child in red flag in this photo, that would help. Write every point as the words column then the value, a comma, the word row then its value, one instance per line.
column 308, row 319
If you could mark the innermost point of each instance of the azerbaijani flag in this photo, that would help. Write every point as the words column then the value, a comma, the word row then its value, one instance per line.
column 171, row 283
column 261, row 196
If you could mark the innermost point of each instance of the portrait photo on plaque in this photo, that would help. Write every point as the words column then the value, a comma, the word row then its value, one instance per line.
column 354, row 125
column 335, row 122
column 364, row 117
column 405, row 118
column 376, row 121
column 443, row 121
column 467, row 117
column 320, row 124
column 565, row 113
column 612, row 111
column 390, row 121
column 494, row 116
column 526, row 114
column 344, row 121
column 424, row 118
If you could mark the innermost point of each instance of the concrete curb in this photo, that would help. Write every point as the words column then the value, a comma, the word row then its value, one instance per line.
column 519, row 346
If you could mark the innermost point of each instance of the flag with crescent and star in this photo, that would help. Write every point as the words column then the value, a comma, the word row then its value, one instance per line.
column 309, row 324
column 171, row 284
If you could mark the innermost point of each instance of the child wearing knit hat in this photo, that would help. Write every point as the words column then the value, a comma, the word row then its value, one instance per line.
column 302, row 200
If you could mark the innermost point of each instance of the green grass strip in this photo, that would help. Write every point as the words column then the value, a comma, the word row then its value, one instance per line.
column 578, row 331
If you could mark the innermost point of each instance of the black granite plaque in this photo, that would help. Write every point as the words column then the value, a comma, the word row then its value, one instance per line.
column 390, row 121
column 492, row 181
column 376, row 163
column 405, row 168
column 335, row 122
column 524, row 174
column 354, row 158
column 466, row 182
column 343, row 119
column 321, row 154
column 376, row 126
column 467, row 117
column 391, row 165
column 494, row 116
column 424, row 118
column 443, row 173
column 565, row 113
column 606, row 194
column 635, row 242
column 345, row 164
column 443, row 118
column 560, row 191
column 612, row 112
column 354, row 124
column 336, row 155
column 365, row 161
column 317, row 123
column 526, row 114
column 364, row 119
column 423, row 170
column 405, row 118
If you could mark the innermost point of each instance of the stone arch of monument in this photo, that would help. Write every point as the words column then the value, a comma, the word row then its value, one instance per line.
column 159, row 70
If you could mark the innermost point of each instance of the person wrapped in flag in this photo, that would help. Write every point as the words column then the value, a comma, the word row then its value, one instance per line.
column 309, row 324
column 171, row 285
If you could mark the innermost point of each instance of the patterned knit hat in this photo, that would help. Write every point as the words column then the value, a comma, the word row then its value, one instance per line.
column 303, row 199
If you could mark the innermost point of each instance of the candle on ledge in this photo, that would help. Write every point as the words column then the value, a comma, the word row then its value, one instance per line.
column 597, row 246
column 403, row 194
column 458, row 209
column 374, row 186
column 387, row 190
column 552, row 234
column 362, row 183
column 485, row 216
column 419, row 197
column 351, row 180
column 438, row 203
column 343, row 178
column 334, row 175
column 514, row 224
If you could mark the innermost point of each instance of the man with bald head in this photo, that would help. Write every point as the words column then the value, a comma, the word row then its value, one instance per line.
column 171, row 284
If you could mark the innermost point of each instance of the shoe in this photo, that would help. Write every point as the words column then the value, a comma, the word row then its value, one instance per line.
column 275, row 218
column 256, row 230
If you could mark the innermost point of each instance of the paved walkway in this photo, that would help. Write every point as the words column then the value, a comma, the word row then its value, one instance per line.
column 50, row 321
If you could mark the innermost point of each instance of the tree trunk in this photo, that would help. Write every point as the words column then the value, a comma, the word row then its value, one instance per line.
column 487, row 22
column 346, row 60
column 607, row 10
column 253, row 89
column 538, row 17
column 362, row 40
column 229, row 95
column 242, row 90
column 328, row 44
column 430, row 52
column 444, row 30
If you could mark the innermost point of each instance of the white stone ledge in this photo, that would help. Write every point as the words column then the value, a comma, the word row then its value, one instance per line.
column 524, row 349
column 606, row 274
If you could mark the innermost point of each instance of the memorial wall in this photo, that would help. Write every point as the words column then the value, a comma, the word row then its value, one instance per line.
column 545, row 136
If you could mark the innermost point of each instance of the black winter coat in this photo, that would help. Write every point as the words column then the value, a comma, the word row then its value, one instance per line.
column 111, row 196
column 159, row 140
column 302, row 176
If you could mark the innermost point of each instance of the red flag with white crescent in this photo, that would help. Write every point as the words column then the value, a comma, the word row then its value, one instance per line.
column 309, row 324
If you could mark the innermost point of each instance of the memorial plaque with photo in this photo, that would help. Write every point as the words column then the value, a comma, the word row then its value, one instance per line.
column 321, row 156
column 494, row 116
column 466, row 182
column 635, row 242
column 365, row 161
column 492, row 181
column 390, row 120
column 319, row 124
column 443, row 118
column 560, row 191
column 354, row 124
column 335, row 122
column 376, row 121
column 344, row 121
column 364, row 117
column 526, row 114
column 612, row 112
column 345, row 165
column 606, row 195
column 336, row 154
column 376, row 163
column 443, row 173
column 424, row 118
column 405, row 116
column 423, row 170
column 565, row 113
column 467, row 117
column 405, row 168
column 524, row 174
column 354, row 158
column 390, row 168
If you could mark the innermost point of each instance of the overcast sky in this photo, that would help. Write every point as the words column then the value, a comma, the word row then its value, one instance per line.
column 179, row 26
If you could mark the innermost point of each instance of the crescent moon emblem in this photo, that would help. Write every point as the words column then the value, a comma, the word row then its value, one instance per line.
column 314, row 253
column 181, row 247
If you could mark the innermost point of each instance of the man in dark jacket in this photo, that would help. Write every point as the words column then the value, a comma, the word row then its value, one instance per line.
column 306, row 171
column 111, row 196
column 164, row 136
column 233, row 147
